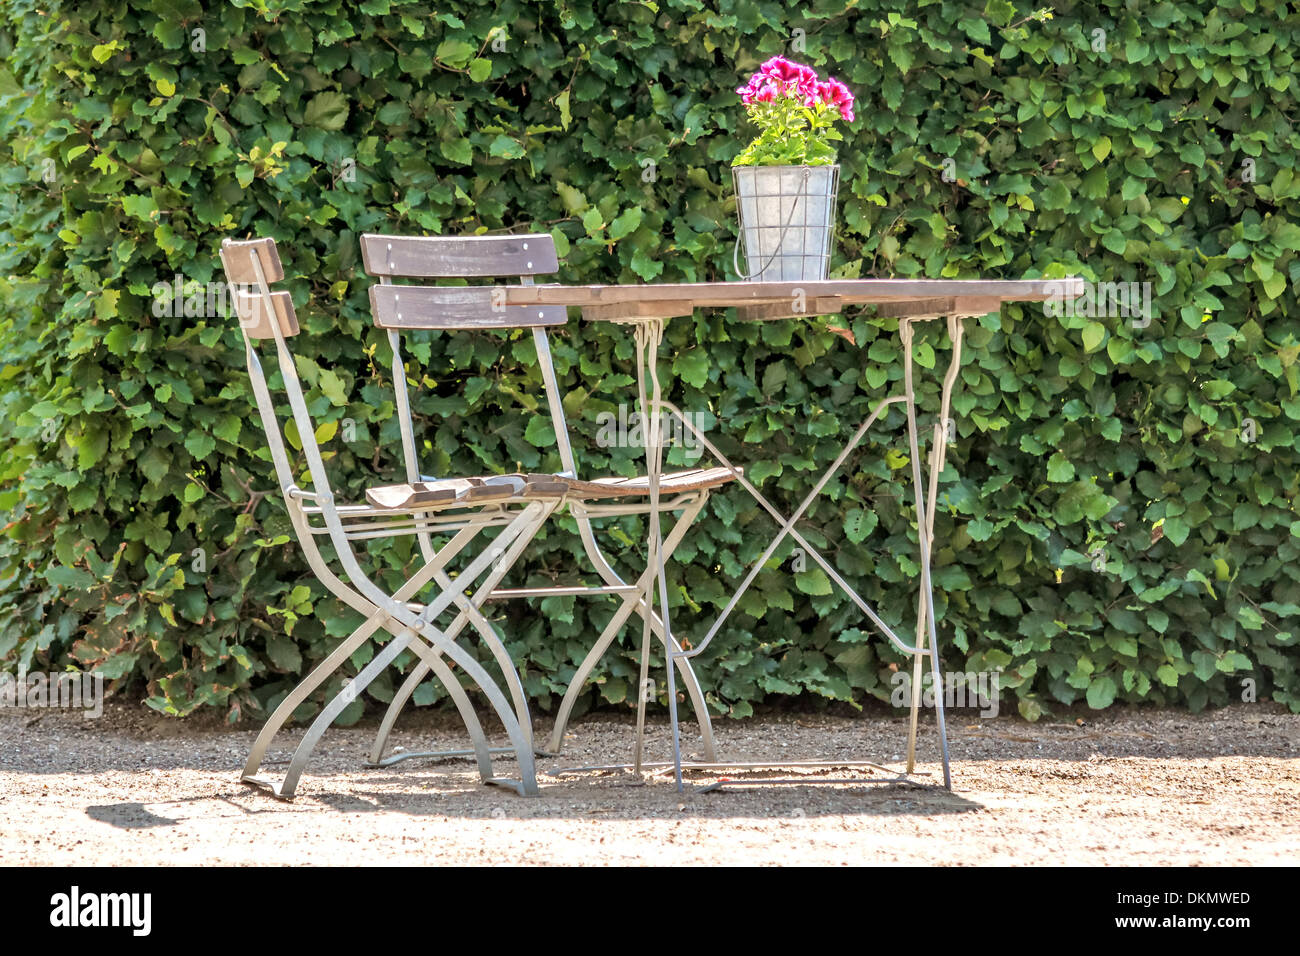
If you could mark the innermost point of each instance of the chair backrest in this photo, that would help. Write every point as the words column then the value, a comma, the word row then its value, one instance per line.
column 403, row 306
column 251, row 266
column 241, row 274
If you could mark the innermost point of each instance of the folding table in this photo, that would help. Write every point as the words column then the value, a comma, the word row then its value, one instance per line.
column 645, row 309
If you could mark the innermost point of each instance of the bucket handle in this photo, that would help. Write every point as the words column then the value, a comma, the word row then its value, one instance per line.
column 780, row 242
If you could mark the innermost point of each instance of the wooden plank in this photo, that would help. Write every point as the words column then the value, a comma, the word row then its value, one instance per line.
column 455, row 492
column 823, row 305
column 239, row 264
column 851, row 291
column 456, row 307
column 917, row 309
column 965, row 305
column 959, row 305
column 631, row 311
column 250, row 307
column 677, row 482
column 430, row 257
column 432, row 494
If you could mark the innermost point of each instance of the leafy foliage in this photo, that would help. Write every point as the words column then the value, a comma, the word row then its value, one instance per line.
column 1119, row 519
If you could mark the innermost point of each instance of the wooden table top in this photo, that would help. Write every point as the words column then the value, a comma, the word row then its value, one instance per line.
column 916, row 298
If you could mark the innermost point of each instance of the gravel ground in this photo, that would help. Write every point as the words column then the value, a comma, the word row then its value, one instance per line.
column 1137, row 787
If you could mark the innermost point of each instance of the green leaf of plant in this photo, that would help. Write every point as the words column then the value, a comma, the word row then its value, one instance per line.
column 327, row 111
column 1094, row 333
column 1101, row 692
column 813, row 582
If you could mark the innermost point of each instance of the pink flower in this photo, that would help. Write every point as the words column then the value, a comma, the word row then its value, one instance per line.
column 794, row 79
column 760, row 89
column 781, row 78
column 834, row 93
column 779, row 68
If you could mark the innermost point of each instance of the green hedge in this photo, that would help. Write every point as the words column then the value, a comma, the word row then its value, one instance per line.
column 1122, row 142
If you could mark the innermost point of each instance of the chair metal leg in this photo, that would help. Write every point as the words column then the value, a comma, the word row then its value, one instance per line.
column 318, row 676
column 470, row 609
column 526, row 785
column 285, row 789
column 345, row 650
column 482, row 752
column 938, row 455
column 635, row 601
column 432, row 569
column 520, row 740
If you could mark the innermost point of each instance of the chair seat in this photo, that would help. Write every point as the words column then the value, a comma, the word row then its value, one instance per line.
column 457, row 492
column 673, row 482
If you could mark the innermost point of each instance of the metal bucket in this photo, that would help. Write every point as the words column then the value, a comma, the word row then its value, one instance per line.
column 787, row 214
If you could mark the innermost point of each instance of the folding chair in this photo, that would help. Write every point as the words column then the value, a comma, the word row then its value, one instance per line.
column 458, row 509
column 399, row 307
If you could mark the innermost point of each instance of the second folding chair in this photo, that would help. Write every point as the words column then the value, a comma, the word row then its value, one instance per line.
column 402, row 308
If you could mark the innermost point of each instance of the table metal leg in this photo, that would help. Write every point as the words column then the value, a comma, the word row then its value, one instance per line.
column 648, row 336
column 938, row 457
column 924, row 531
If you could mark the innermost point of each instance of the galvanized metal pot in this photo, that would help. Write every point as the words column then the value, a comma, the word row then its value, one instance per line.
column 787, row 214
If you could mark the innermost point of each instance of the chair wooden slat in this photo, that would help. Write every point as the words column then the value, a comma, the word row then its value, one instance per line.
column 239, row 266
column 430, row 257
column 455, row 307
column 251, row 309
column 695, row 479
column 455, row 492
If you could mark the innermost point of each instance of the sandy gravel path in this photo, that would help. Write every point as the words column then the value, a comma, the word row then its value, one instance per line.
column 1132, row 787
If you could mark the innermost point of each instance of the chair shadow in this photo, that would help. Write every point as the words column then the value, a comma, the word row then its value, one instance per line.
column 128, row 816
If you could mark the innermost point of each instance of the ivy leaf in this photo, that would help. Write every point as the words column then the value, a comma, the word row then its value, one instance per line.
column 327, row 111
column 1059, row 468
column 813, row 582
column 458, row 151
column 283, row 653
column 859, row 523
column 455, row 52
column 593, row 221
column 692, row 367
column 626, row 222
column 645, row 265
column 506, row 147
column 74, row 578
column 562, row 103
column 1094, row 333
column 200, row 444
column 1101, row 692
column 332, row 387
column 540, row 432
